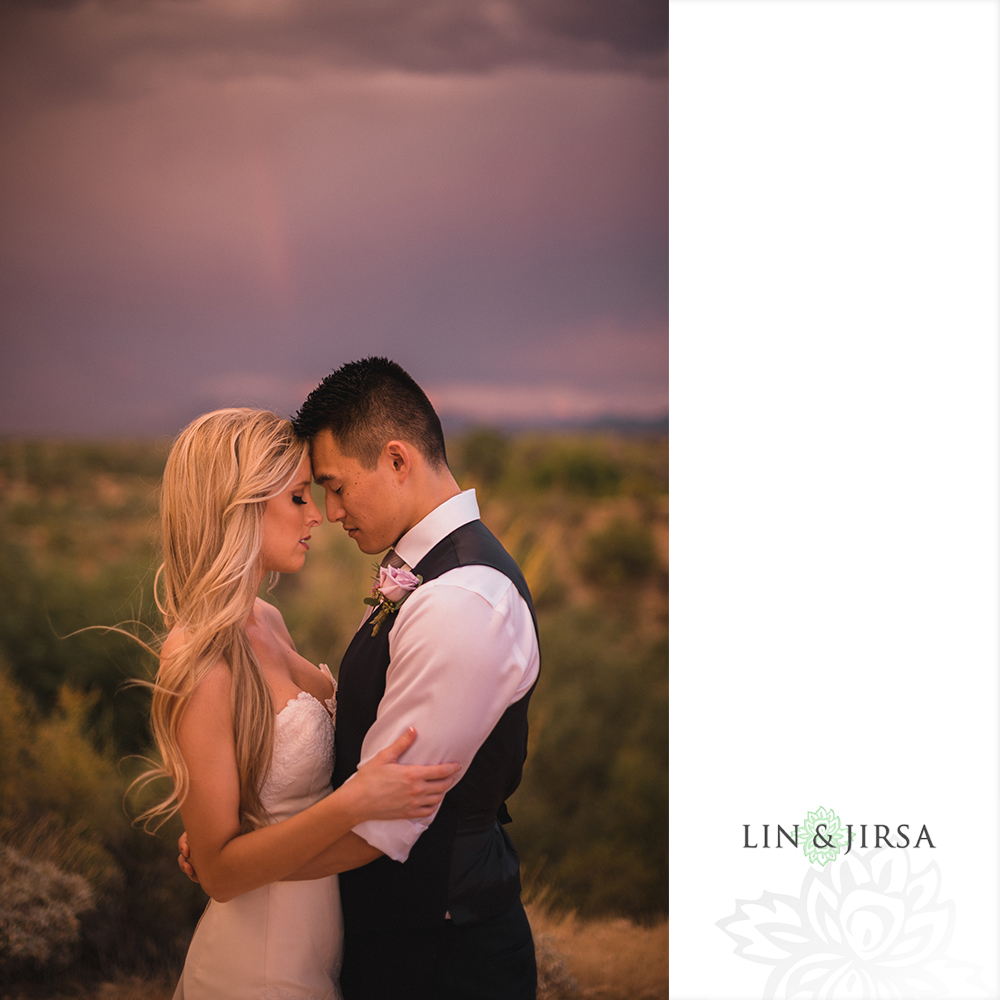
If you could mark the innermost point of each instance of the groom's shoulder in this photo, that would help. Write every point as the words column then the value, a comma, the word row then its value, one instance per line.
column 473, row 544
column 477, row 580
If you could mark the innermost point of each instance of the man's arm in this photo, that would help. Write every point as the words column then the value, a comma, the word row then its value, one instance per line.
column 463, row 649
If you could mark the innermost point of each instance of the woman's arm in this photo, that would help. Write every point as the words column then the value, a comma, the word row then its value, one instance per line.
column 229, row 863
column 351, row 851
column 341, row 856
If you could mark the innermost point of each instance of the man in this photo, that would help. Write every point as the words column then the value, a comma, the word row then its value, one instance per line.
column 434, row 910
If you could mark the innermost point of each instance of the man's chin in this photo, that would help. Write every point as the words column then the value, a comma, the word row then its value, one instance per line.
column 366, row 547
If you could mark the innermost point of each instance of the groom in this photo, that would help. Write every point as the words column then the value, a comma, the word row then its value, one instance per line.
column 435, row 912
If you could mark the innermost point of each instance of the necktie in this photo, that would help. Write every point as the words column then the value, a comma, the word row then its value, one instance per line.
column 393, row 560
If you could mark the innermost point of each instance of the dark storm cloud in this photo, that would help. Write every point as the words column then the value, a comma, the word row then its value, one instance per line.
column 449, row 35
column 82, row 47
column 205, row 202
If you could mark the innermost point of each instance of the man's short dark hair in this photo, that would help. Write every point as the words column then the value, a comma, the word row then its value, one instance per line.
column 367, row 403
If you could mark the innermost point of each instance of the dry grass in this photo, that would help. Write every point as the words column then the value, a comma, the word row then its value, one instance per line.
column 134, row 989
column 577, row 960
column 130, row 988
column 599, row 959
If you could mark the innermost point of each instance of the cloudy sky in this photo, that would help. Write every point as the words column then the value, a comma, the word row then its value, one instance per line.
column 208, row 202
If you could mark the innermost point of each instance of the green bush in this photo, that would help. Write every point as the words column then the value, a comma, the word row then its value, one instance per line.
column 61, row 812
column 50, row 766
column 483, row 454
column 622, row 554
column 44, row 598
column 55, row 464
column 584, row 469
column 590, row 817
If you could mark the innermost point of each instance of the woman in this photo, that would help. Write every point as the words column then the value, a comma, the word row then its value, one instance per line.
column 245, row 725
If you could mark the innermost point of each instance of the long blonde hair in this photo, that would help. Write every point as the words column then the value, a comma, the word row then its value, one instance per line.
column 221, row 471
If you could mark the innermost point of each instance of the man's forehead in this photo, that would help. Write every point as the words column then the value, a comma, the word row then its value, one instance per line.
column 328, row 461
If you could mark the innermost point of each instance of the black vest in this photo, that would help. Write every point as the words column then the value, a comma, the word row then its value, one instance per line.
column 464, row 863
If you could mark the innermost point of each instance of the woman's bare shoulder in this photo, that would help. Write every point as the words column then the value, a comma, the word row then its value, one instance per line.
column 214, row 679
column 173, row 643
column 266, row 610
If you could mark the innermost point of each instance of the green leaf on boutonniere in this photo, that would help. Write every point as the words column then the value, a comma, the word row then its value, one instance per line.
column 372, row 601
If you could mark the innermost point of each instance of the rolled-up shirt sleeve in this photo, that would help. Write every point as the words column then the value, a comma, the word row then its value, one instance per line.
column 462, row 650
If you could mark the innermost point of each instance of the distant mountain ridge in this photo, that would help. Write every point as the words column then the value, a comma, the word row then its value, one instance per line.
column 617, row 425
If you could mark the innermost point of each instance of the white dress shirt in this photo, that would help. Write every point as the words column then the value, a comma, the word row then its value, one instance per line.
column 462, row 650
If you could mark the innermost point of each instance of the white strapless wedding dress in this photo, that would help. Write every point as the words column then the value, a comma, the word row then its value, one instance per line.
column 282, row 941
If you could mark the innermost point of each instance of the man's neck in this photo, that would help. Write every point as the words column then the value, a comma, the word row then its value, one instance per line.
column 439, row 488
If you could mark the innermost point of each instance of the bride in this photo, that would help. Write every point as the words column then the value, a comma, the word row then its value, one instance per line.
column 245, row 725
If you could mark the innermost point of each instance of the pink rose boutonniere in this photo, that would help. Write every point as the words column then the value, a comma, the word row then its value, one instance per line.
column 392, row 587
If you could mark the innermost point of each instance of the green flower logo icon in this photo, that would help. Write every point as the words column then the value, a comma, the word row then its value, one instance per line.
column 824, row 836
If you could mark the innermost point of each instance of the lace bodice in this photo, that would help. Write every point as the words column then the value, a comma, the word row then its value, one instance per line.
column 302, row 762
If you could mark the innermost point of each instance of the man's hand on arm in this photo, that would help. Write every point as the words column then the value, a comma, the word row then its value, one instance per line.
column 348, row 852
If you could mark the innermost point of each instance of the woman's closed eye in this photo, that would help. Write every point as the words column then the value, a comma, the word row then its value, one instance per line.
column 296, row 498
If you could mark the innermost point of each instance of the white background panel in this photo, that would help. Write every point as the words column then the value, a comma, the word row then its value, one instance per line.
column 835, row 386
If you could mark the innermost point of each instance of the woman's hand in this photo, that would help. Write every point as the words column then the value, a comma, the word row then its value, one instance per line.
column 386, row 789
column 184, row 858
column 382, row 789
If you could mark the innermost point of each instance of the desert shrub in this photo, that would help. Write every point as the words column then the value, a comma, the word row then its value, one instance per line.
column 24, row 628
column 60, row 798
column 40, row 909
column 554, row 981
column 621, row 554
column 606, row 959
column 584, row 468
column 483, row 454
column 49, row 765
column 53, row 464
column 61, row 808
column 591, row 814
column 45, row 599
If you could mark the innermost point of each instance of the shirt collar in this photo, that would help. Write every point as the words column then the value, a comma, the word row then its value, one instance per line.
column 438, row 524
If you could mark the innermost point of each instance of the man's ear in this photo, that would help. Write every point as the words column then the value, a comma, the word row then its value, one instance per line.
column 399, row 456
